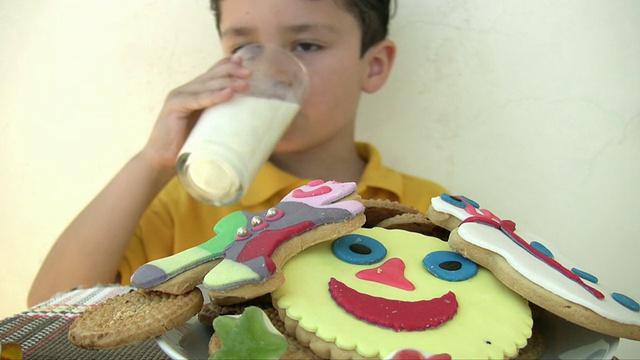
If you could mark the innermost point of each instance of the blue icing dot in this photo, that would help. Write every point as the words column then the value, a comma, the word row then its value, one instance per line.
column 626, row 301
column 358, row 249
column 457, row 201
column 585, row 275
column 541, row 248
column 450, row 266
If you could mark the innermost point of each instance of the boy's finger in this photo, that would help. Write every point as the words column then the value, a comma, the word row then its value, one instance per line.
column 199, row 97
column 227, row 68
column 215, row 84
column 188, row 102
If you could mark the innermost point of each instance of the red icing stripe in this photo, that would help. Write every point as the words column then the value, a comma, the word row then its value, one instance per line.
column 394, row 314
column 316, row 182
column 266, row 243
column 473, row 211
column 300, row 194
column 508, row 227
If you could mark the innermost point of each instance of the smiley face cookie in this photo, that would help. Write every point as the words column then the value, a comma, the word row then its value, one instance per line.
column 376, row 291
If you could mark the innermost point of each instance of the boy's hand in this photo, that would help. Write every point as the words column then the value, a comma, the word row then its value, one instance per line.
column 184, row 105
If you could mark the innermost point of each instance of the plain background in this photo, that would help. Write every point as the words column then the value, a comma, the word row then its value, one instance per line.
column 531, row 108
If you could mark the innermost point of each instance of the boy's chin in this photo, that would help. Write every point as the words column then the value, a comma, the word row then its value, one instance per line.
column 283, row 149
column 285, row 146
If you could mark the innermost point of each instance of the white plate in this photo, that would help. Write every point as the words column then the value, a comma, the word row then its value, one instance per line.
column 188, row 341
column 564, row 340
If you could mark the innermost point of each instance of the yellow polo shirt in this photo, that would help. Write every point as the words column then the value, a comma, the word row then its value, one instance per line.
column 175, row 221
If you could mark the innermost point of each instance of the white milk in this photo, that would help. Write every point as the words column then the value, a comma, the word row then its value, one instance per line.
column 229, row 144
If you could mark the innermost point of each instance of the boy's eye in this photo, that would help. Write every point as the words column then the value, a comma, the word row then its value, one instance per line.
column 358, row 249
column 306, row 47
column 450, row 266
column 237, row 48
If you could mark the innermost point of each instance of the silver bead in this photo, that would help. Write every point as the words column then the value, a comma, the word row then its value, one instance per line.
column 272, row 212
column 256, row 220
column 242, row 231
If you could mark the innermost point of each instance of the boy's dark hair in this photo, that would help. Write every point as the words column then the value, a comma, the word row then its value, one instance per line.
column 372, row 16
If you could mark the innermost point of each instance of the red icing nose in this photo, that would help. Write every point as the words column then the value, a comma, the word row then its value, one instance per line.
column 390, row 273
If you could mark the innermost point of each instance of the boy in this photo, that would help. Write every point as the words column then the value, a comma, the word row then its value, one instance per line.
column 144, row 214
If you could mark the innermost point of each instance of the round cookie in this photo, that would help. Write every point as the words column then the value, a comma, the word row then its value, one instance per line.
column 418, row 223
column 132, row 318
column 375, row 291
column 377, row 210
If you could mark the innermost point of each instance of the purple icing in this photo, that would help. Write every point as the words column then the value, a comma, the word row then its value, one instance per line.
column 295, row 213
column 338, row 191
column 147, row 276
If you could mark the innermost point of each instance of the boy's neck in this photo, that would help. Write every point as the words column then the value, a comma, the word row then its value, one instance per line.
column 333, row 160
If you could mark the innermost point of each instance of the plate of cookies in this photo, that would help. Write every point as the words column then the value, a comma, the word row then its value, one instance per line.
column 325, row 274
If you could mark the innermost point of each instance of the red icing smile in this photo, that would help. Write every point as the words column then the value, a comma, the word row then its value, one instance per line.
column 394, row 314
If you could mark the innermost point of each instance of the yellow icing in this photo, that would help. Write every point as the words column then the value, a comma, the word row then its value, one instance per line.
column 228, row 272
column 488, row 311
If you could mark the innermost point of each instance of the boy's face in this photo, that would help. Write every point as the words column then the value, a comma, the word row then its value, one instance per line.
column 326, row 38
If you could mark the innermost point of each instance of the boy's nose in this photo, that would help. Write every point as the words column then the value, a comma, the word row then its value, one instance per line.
column 391, row 273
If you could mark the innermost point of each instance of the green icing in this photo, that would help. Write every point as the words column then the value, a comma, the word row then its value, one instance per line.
column 226, row 230
column 229, row 272
column 176, row 263
column 249, row 336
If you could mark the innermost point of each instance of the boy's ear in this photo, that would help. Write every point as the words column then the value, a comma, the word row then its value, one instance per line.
column 378, row 61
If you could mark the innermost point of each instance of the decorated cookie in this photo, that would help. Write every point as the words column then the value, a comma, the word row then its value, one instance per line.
column 448, row 211
column 247, row 327
column 248, row 336
column 375, row 291
column 243, row 260
column 529, row 266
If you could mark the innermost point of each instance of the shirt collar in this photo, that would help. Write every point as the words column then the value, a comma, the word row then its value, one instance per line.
column 376, row 175
column 271, row 180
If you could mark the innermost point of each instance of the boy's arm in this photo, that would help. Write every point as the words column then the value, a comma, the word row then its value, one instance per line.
column 89, row 251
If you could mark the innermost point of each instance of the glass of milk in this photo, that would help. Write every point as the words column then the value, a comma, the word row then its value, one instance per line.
column 232, row 140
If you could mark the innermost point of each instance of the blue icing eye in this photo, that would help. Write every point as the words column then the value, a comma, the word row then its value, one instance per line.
column 358, row 249
column 543, row 249
column 626, row 301
column 450, row 266
column 585, row 275
column 457, row 201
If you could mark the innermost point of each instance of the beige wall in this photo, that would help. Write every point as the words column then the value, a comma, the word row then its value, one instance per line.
column 530, row 108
